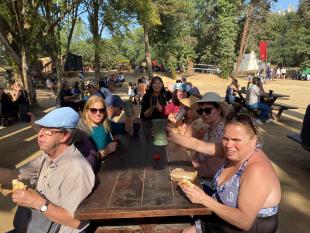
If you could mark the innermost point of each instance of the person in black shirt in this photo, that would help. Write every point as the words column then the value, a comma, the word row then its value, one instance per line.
column 66, row 96
column 154, row 100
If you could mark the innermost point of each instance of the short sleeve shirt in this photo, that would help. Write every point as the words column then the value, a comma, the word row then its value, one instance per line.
column 65, row 181
column 213, row 136
column 253, row 95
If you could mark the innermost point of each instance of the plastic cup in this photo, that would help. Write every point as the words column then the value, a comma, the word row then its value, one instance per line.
column 270, row 92
column 160, row 134
column 128, row 108
column 181, row 113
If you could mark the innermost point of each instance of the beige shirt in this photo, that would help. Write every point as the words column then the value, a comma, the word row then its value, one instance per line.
column 65, row 181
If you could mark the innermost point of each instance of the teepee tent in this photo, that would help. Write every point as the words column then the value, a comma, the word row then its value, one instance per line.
column 249, row 63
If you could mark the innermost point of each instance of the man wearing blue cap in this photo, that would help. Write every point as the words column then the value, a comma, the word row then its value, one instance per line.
column 60, row 178
column 115, row 106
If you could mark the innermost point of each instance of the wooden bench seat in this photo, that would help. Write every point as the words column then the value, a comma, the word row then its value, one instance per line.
column 146, row 225
column 296, row 138
column 281, row 107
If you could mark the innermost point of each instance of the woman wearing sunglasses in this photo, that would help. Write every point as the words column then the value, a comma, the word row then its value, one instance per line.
column 213, row 112
column 94, row 122
column 247, row 189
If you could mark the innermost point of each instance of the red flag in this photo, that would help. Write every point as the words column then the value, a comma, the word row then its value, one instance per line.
column 263, row 50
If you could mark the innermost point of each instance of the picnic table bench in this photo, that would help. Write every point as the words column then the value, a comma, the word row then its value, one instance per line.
column 269, row 99
column 135, row 191
column 281, row 107
column 303, row 138
column 297, row 138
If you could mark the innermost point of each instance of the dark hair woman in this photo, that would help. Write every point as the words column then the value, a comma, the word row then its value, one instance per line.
column 154, row 100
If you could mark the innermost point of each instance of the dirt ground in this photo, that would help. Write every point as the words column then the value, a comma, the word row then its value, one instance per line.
column 292, row 163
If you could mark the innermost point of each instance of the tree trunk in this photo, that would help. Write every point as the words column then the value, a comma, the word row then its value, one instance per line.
column 97, row 58
column 148, row 52
column 244, row 38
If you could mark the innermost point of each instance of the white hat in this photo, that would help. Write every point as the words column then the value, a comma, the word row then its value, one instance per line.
column 212, row 97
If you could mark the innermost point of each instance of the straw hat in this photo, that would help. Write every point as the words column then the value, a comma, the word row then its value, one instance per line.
column 190, row 101
column 212, row 97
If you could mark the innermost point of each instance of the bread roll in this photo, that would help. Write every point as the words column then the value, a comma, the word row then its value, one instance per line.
column 16, row 184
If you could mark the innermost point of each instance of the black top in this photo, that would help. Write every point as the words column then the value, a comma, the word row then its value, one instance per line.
column 146, row 103
column 63, row 93
column 23, row 98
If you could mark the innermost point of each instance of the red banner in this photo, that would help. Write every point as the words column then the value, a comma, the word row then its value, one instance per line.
column 263, row 50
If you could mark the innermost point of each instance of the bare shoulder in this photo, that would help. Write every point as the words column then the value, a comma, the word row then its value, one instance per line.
column 259, row 165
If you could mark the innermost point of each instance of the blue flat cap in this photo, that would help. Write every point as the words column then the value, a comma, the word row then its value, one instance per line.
column 114, row 101
column 65, row 118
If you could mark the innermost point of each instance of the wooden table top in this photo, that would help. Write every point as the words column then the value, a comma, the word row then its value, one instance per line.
column 135, row 184
column 266, row 95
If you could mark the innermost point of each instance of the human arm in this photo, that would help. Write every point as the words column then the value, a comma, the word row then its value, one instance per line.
column 16, row 95
column 146, row 106
column 110, row 148
column 250, row 200
column 31, row 199
column 195, row 144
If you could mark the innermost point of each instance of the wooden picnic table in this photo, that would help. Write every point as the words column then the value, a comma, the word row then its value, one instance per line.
column 269, row 99
column 135, row 183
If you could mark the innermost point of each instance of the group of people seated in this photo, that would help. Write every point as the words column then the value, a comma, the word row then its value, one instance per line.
column 14, row 105
column 239, row 184
column 228, row 158
column 254, row 98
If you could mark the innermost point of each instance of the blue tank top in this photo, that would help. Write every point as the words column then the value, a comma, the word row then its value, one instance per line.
column 228, row 192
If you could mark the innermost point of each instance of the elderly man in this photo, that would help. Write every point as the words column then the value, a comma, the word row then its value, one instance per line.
column 61, row 179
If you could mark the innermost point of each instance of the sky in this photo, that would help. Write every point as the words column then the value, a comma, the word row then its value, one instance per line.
column 283, row 4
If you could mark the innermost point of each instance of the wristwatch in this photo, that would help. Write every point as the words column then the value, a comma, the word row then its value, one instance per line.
column 44, row 207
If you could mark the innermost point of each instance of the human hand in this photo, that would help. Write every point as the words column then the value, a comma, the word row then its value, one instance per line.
column 171, row 118
column 28, row 198
column 110, row 148
column 194, row 193
column 159, row 106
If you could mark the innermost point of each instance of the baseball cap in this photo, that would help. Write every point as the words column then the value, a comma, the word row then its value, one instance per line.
column 114, row 101
column 65, row 118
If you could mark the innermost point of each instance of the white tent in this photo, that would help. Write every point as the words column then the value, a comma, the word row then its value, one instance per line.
column 249, row 63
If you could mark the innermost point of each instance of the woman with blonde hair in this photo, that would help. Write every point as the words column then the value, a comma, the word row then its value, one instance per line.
column 94, row 122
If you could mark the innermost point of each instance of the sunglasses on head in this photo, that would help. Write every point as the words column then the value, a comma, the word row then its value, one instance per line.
column 246, row 120
column 200, row 111
column 95, row 110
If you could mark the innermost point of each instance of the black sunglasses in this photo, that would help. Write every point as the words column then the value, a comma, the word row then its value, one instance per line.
column 246, row 120
column 95, row 110
column 200, row 111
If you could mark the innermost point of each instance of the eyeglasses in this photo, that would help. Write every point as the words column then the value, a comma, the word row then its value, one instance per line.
column 48, row 131
column 207, row 111
column 246, row 120
column 95, row 110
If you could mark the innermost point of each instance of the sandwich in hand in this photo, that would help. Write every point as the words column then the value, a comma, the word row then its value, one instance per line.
column 183, row 177
column 16, row 184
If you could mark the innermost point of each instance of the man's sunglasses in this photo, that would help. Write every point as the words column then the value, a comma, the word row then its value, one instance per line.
column 200, row 111
column 95, row 110
column 246, row 120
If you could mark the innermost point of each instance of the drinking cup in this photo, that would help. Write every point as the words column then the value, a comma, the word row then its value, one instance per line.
column 128, row 108
column 160, row 134
column 270, row 92
column 181, row 113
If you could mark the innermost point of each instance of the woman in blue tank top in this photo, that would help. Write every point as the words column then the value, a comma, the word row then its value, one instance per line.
column 95, row 123
column 247, row 187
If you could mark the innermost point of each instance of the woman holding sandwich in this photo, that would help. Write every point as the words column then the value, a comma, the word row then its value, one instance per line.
column 247, row 189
